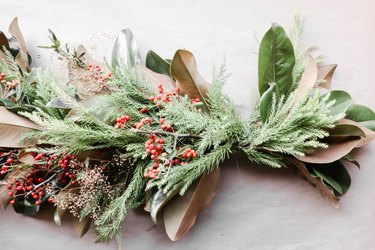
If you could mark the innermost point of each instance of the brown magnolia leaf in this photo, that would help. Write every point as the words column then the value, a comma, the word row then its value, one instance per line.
column 22, row 58
column 180, row 213
column 12, row 128
column 369, row 134
column 86, row 86
column 339, row 149
column 81, row 226
column 10, row 178
column 155, row 78
column 334, row 152
column 325, row 190
column 325, row 72
column 25, row 157
column 308, row 80
column 188, row 79
column 3, row 41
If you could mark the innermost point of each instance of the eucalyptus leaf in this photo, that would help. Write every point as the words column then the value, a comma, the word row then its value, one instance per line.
column 125, row 52
column 276, row 60
column 157, row 64
column 59, row 104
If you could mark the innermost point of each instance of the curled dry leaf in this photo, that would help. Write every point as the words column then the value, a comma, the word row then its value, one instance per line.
column 155, row 78
column 181, row 212
column 188, row 79
column 308, row 80
column 12, row 128
column 23, row 58
column 325, row 190
column 81, row 226
column 337, row 150
column 325, row 74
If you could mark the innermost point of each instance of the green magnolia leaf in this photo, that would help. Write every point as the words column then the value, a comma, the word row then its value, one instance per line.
column 327, row 192
column 351, row 159
column 359, row 113
column 334, row 174
column 266, row 102
column 125, row 52
column 24, row 206
column 158, row 200
column 276, row 60
column 157, row 64
column 346, row 130
column 342, row 101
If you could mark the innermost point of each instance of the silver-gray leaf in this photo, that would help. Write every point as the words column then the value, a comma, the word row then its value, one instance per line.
column 125, row 52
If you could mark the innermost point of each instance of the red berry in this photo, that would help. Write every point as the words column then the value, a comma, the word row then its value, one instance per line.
column 37, row 202
column 9, row 160
column 50, row 199
column 12, row 202
column 10, row 187
column 10, row 193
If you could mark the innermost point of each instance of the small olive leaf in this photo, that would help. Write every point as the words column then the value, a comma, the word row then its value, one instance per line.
column 334, row 152
column 266, row 102
column 325, row 74
column 12, row 128
column 351, row 159
column 125, row 52
column 23, row 58
column 361, row 114
column 334, row 174
column 11, row 177
column 276, row 60
column 317, row 182
column 158, row 200
column 181, row 212
column 155, row 78
column 342, row 101
column 188, row 79
column 157, row 64
column 81, row 226
column 307, row 82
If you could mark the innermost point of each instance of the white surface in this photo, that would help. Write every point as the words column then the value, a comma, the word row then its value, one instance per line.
column 255, row 208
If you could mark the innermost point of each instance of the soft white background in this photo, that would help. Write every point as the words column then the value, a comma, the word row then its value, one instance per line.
column 255, row 208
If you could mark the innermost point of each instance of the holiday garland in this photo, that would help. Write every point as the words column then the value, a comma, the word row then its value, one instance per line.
column 130, row 134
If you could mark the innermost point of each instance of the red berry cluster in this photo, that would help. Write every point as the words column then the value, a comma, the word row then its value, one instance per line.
column 120, row 121
column 34, row 183
column 164, row 125
column 95, row 72
column 155, row 148
column 141, row 123
column 9, row 84
column 189, row 153
column 163, row 97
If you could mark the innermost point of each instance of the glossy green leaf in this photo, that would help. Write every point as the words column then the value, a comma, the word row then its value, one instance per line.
column 351, row 159
column 346, row 130
column 342, row 101
column 359, row 113
column 157, row 64
column 158, row 200
column 125, row 52
column 276, row 60
column 335, row 174
column 266, row 102
column 56, row 217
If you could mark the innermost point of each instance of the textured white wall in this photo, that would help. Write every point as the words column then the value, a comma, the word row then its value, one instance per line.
column 255, row 208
